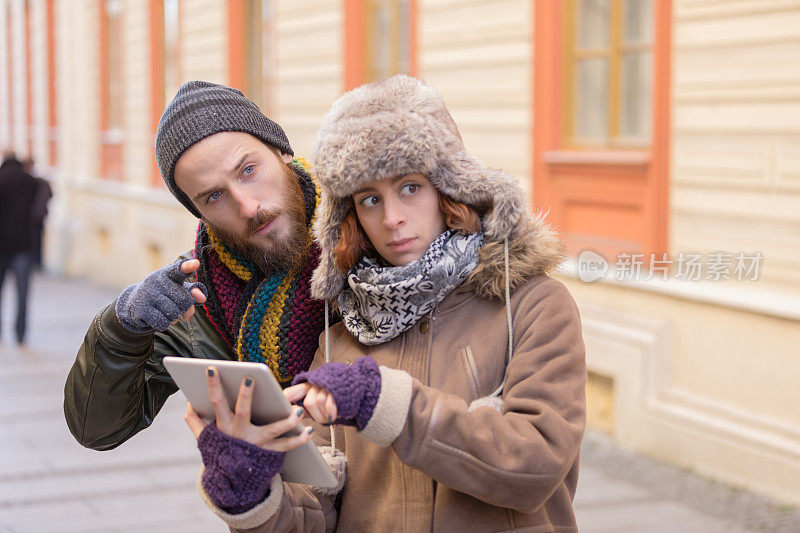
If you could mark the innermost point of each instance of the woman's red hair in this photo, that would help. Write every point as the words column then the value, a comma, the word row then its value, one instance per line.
column 354, row 244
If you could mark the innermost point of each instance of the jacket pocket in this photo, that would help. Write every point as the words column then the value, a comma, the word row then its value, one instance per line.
column 471, row 371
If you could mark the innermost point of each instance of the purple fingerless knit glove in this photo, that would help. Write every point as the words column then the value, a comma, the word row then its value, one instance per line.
column 157, row 300
column 355, row 388
column 237, row 473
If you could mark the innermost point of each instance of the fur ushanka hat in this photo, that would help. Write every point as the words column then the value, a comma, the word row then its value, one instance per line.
column 401, row 126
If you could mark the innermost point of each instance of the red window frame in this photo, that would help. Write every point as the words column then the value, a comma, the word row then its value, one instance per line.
column 609, row 201
column 355, row 41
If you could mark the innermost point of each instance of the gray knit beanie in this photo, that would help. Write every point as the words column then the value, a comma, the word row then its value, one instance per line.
column 201, row 109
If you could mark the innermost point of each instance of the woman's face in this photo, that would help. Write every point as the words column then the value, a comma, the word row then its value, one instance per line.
column 401, row 216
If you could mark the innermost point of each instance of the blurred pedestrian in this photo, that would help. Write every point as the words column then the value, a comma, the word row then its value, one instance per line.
column 17, row 195
column 39, row 213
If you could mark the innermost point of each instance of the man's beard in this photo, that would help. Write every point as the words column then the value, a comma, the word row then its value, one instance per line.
column 286, row 254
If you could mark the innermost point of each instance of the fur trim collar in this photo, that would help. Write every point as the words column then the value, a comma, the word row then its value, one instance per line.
column 535, row 250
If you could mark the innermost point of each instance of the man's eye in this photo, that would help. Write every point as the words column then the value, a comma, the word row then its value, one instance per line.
column 369, row 201
column 249, row 169
column 214, row 196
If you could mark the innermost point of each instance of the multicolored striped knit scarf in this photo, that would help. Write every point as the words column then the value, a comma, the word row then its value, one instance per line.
column 271, row 320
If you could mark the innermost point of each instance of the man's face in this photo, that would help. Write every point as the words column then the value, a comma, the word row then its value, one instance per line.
column 248, row 195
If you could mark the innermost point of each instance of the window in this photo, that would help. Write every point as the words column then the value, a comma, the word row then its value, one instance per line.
column 601, row 125
column 389, row 49
column 609, row 78
column 171, row 49
column 111, row 89
column 165, row 63
column 251, row 51
column 52, row 94
column 380, row 40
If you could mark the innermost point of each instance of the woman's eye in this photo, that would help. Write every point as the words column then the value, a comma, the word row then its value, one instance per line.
column 410, row 188
column 369, row 201
column 249, row 169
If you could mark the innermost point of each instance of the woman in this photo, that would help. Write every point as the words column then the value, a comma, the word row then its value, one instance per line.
column 455, row 381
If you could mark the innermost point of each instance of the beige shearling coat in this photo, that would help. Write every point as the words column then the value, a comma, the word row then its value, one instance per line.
column 432, row 458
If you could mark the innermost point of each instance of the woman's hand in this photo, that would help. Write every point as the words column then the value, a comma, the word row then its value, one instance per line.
column 336, row 393
column 237, row 423
column 317, row 401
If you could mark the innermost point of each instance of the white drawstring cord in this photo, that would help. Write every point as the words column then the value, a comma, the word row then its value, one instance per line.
column 327, row 350
column 328, row 360
column 508, row 319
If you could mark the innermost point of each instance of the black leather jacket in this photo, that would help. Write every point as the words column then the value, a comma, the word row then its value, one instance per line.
column 118, row 383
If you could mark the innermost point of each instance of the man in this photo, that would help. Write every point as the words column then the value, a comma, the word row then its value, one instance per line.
column 17, row 195
column 232, row 167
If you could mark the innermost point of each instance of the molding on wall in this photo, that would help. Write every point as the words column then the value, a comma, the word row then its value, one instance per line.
column 121, row 190
column 747, row 298
column 650, row 411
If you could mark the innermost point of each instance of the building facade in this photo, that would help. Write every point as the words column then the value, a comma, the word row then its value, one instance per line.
column 661, row 137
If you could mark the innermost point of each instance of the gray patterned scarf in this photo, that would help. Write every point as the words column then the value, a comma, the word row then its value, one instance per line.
column 382, row 302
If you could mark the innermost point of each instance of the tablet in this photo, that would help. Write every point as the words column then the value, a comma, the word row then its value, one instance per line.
column 301, row 465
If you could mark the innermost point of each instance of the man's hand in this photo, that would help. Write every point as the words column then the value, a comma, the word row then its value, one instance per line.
column 161, row 298
column 237, row 423
column 198, row 290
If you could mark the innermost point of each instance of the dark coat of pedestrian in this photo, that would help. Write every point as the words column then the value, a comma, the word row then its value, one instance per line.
column 17, row 194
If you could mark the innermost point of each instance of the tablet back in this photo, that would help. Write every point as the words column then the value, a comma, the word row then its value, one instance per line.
column 303, row 464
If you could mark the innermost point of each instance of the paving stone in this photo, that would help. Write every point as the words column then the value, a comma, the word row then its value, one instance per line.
column 739, row 510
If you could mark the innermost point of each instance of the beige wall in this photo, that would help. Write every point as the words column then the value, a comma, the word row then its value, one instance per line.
column 479, row 55
column 39, row 79
column 4, row 89
column 204, row 46
column 18, row 112
column 138, row 148
column 736, row 132
column 705, row 386
column 309, row 67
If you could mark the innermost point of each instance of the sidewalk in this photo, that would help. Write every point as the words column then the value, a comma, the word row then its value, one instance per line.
column 50, row 483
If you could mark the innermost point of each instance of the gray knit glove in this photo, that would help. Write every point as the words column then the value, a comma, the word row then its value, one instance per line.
column 157, row 300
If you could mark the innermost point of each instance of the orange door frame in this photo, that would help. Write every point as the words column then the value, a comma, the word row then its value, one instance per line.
column 610, row 200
